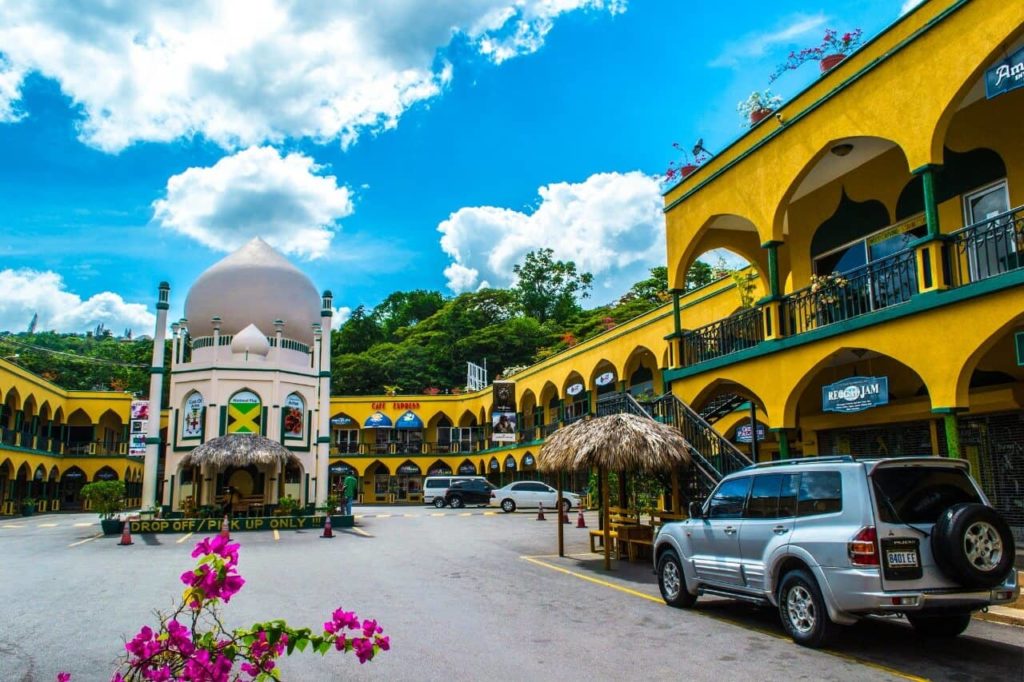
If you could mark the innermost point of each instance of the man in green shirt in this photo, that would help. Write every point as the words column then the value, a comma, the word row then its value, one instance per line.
column 349, row 487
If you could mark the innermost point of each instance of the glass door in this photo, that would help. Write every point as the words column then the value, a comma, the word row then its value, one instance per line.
column 993, row 244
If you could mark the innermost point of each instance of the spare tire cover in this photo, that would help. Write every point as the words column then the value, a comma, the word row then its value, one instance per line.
column 973, row 545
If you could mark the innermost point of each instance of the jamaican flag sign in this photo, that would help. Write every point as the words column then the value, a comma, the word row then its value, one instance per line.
column 244, row 413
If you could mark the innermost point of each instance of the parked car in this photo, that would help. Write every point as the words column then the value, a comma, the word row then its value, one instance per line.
column 434, row 487
column 531, row 494
column 462, row 493
column 830, row 540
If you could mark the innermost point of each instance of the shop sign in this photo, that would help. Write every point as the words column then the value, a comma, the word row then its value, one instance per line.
column 340, row 421
column 1005, row 76
column 137, row 445
column 395, row 406
column 257, row 523
column 137, row 438
column 106, row 475
column 743, row 433
column 294, row 417
column 605, row 379
column 574, row 390
column 140, row 409
column 409, row 470
column 528, row 461
column 503, row 427
column 191, row 417
column 510, row 463
column 855, row 394
column 342, row 469
column 467, row 469
column 494, row 464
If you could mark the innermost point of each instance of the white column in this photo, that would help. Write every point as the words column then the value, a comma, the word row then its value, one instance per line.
column 323, row 440
column 156, row 387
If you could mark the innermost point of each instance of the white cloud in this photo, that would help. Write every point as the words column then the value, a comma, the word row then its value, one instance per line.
column 27, row 292
column 610, row 225
column 909, row 5
column 756, row 45
column 340, row 317
column 10, row 91
column 244, row 72
column 256, row 193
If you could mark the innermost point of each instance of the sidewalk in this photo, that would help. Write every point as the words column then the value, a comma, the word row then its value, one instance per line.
column 1011, row 614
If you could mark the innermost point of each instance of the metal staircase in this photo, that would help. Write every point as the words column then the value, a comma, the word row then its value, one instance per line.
column 720, row 406
column 712, row 456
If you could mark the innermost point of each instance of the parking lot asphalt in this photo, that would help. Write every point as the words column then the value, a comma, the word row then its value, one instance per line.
column 468, row 594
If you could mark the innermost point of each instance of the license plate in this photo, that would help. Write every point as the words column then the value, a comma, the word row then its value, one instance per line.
column 901, row 558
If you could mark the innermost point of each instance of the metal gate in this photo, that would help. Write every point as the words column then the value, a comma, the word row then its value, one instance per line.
column 994, row 444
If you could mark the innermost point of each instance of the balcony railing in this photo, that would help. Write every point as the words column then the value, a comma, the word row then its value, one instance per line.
column 987, row 249
column 880, row 284
column 730, row 335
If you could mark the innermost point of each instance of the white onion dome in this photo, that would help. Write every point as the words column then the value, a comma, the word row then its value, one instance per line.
column 255, row 285
column 250, row 340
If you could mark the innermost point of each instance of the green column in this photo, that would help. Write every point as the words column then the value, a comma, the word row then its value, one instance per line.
column 952, row 435
column 783, row 436
column 773, row 267
column 931, row 209
column 678, row 325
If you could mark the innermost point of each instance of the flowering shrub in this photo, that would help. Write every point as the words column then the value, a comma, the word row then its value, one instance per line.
column 192, row 643
column 682, row 168
column 765, row 100
column 831, row 44
column 825, row 288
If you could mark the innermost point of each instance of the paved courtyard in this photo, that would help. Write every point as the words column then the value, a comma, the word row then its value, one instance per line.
column 468, row 594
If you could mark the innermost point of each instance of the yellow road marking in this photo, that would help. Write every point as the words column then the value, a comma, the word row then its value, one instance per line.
column 442, row 514
column 47, row 525
column 11, row 525
column 605, row 583
column 466, row 514
column 183, row 538
column 277, row 536
column 82, row 542
column 383, row 516
column 84, row 525
column 357, row 516
column 410, row 516
column 360, row 531
column 490, row 513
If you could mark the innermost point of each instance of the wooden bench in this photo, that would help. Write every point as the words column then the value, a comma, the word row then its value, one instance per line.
column 618, row 518
column 636, row 539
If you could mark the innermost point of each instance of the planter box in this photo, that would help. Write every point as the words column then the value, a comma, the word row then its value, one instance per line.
column 112, row 526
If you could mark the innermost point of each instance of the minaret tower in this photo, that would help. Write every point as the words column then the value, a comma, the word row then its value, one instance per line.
column 156, row 387
column 323, row 440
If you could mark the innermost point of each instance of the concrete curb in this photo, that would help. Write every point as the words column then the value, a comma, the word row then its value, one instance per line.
column 1002, row 614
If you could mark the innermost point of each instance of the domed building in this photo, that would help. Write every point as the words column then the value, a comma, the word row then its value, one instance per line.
column 248, row 360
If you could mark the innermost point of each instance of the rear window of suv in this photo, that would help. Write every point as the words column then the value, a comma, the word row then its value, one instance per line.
column 920, row 494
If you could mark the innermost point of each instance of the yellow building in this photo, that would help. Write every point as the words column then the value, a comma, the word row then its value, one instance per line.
column 880, row 212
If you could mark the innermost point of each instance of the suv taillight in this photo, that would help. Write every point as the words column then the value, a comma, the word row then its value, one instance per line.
column 863, row 548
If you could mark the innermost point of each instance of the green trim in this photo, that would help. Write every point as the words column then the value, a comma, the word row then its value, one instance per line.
column 323, row 439
column 673, row 335
column 154, row 440
column 326, row 313
column 676, row 322
column 311, row 375
column 223, row 420
column 931, row 208
column 161, row 305
column 773, row 268
column 325, row 373
column 918, row 304
column 952, row 436
column 705, row 297
column 948, row 410
column 791, row 120
column 783, row 435
column 156, row 370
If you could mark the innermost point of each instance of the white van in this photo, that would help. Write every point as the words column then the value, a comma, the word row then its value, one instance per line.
column 435, row 486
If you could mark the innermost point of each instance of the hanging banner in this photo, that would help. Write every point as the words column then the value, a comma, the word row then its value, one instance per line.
column 140, row 409
column 192, row 416
column 137, row 445
column 1005, row 76
column 294, row 417
column 744, row 434
column 139, row 424
column 605, row 379
column 503, row 412
column 855, row 394
column 574, row 390
column 244, row 413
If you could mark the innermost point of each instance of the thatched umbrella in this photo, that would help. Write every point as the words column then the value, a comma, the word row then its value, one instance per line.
column 240, row 449
column 618, row 442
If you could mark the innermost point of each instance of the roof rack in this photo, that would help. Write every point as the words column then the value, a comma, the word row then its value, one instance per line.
column 803, row 460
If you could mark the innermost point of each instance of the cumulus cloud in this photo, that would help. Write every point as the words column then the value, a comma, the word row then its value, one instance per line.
column 256, row 193
column 909, row 5
column 28, row 292
column 245, row 72
column 611, row 225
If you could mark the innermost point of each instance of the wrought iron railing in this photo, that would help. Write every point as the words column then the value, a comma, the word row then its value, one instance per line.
column 734, row 333
column 717, row 455
column 988, row 248
column 617, row 403
column 880, row 284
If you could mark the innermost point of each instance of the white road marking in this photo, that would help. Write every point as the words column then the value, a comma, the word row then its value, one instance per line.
column 82, row 542
column 183, row 538
column 277, row 536
column 84, row 525
column 360, row 531
column 48, row 525
column 11, row 525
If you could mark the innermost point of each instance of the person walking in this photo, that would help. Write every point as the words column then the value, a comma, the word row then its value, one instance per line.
column 350, row 493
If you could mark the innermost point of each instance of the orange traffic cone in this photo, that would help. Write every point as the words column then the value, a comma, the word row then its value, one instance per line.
column 328, row 531
column 580, row 521
column 126, row 534
column 225, row 529
column 540, row 512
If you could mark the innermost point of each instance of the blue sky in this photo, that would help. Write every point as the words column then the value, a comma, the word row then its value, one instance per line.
column 384, row 146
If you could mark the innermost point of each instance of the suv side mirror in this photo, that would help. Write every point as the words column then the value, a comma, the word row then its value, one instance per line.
column 696, row 510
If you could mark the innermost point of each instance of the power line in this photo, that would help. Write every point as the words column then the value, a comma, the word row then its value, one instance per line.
column 82, row 358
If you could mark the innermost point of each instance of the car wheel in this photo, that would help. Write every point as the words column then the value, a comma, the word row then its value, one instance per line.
column 508, row 506
column 946, row 625
column 456, row 502
column 672, row 582
column 439, row 502
column 973, row 545
column 803, row 611
column 566, row 505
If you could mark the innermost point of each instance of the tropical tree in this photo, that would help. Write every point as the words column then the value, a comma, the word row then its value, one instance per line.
column 549, row 289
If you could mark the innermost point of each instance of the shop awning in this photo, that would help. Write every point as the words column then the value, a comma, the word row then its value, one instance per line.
column 409, row 420
column 377, row 420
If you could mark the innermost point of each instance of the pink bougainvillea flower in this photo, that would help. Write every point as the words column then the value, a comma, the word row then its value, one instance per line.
column 63, row 677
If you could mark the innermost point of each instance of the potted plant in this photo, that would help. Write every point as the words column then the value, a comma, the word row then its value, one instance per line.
column 28, row 506
column 107, row 499
column 287, row 506
column 758, row 106
column 682, row 168
column 833, row 49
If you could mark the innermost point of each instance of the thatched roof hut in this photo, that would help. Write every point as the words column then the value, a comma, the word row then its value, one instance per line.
column 240, row 449
column 618, row 442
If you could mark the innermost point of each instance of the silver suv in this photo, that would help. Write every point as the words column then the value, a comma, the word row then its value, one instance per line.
column 828, row 540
